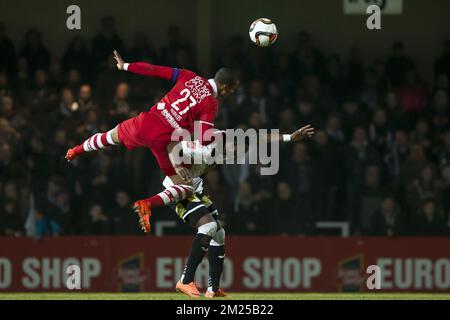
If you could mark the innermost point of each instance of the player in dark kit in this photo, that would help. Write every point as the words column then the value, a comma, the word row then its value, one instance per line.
column 192, row 99
column 199, row 211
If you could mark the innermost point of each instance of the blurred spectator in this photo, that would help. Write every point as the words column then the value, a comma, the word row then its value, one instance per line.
column 8, row 58
column 365, row 200
column 329, row 178
column 34, row 51
column 11, row 223
column 412, row 94
column 302, row 175
column 120, row 108
column 78, row 57
column 370, row 94
column 334, row 130
column 352, row 117
column 442, row 64
column 355, row 75
column 106, row 41
column 9, row 169
column 175, row 46
column 334, row 78
column 397, row 155
column 380, row 133
column 429, row 221
column 246, row 217
column 256, row 101
column 424, row 187
column 96, row 222
column 398, row 63
column 387, row 220
column 142, row 49
column 308, row 114
column 286, row 218
column 85, row 99
column 306, row 58
column 217, row 191
column 446, row 193
column 358, row 155
column 122, row 222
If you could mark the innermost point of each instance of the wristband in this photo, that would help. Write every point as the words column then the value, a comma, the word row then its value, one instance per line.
column 125, row 66
column 286, row 137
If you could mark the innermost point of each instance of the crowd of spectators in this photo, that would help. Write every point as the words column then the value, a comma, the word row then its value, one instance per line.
column 380, row 158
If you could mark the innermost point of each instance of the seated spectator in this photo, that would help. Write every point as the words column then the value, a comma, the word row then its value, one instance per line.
column 11, row 223
column 426, row 186
column 387, row 220
column 429, row 221
column 96, row 222
column 246, row 218
column 120, row 108
column 352, row 116
column 308, row 114
column 412, row 94
column 285, row 217
column 256, row 101
column 365, row 200
column 380, row 133
column 358, row 155
column 122, row 222
column 370, row 93
column 85, row 98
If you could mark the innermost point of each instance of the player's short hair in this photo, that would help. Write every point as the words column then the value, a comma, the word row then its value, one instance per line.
column 226, row 76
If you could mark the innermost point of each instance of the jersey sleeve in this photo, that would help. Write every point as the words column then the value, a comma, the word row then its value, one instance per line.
column 152, row 70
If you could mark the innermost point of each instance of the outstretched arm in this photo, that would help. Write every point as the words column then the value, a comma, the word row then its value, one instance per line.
column 196, row 151
column 298, row 135
column 146, row 69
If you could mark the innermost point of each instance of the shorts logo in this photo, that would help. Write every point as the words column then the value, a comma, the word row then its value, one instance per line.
column 160, row 106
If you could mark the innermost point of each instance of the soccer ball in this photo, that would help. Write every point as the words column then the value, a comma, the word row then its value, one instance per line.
column 263, row 32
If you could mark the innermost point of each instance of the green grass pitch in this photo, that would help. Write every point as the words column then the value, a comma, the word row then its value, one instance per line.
column 232, row 296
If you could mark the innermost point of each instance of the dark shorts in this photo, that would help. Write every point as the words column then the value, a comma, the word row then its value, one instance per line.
column 194, row 207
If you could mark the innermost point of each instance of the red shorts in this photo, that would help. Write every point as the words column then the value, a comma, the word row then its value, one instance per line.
column 148, row 130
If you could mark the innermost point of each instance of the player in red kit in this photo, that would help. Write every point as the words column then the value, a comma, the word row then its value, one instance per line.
column 192, row 98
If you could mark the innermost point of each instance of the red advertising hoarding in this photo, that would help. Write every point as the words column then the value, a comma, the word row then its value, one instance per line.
column 259, row 264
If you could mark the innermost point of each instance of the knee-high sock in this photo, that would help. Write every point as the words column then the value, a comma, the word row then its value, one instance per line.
column 199, row 246
column 216, row 256
column 96, row 142
column 171, row 195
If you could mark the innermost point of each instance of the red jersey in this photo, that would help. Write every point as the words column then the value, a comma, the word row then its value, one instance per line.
column 192, row 98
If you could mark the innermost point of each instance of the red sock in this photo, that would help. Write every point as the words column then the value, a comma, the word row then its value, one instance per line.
column 96, row 142
column 171, row 195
